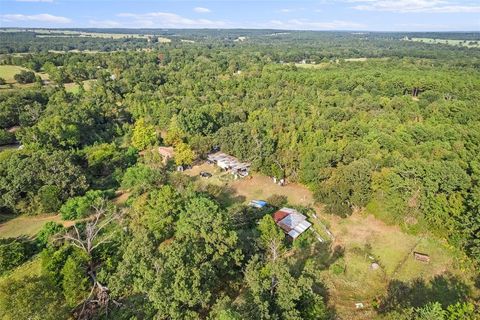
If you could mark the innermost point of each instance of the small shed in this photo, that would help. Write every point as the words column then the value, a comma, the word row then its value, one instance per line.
column 292, row 222
column 259, row 204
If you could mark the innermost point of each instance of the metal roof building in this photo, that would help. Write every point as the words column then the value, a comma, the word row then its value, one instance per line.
column 229, row 163
column 291, row 222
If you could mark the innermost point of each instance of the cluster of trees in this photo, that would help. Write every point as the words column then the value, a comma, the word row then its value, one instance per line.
column 353, row 132
column 25, row 77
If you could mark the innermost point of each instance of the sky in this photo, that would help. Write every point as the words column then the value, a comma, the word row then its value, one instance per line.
column 361, row 15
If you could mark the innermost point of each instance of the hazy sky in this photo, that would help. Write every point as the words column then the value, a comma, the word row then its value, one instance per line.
column 386, row 15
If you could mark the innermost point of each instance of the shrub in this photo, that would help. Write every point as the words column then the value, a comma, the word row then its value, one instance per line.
column 49, row 229
column 49, row 198
column 80, row 207
column 75, row 281
column 338, row 267
column 25, row 77
column 277, row 200
column 13, row 253
column 6, row 137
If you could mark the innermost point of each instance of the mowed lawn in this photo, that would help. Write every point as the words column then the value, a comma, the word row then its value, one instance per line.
column 8, row 72
column 27, row 225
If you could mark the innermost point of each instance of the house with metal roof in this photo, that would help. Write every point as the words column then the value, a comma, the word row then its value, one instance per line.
column 291, row 222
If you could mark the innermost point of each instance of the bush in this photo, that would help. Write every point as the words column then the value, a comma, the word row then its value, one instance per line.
column 49, row 198
column 2, row 82
column 13, row 253
column 338, row 267
column 6, row 137
column 49, row 229
column 75, row 281
column 80, row 207
column 140, row 178
column 277, row 200
column 25, row 77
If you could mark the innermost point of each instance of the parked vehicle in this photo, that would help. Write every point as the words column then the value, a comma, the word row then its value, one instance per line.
column 204, row 174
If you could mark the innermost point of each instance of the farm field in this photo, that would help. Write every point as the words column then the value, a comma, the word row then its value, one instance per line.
column 452, row 42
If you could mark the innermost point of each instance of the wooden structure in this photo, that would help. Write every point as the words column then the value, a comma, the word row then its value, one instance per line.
column 421, row 256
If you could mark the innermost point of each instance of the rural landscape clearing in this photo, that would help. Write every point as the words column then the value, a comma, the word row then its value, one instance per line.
column 231, row 160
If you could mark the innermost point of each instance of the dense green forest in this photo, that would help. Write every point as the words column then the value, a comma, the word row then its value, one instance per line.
column 396, row 135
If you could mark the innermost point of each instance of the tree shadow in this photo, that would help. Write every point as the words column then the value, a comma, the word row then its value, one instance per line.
column 6, row 215
column 446, row 289
column 224, row 195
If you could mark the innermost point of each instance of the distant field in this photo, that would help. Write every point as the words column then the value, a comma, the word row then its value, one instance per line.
column 44, row 33
column 82, row 34
column 75, row 88
column 452, row 42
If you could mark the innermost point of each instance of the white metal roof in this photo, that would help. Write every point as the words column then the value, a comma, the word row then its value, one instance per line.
column 293, row 219
column 294, row 234
column 302, row 226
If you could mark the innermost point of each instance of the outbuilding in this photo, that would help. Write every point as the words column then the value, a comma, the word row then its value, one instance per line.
column 229, row 163
column 292, row 222
column 259, row 204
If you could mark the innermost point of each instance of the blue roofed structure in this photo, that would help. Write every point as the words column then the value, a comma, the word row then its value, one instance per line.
column 258, row 204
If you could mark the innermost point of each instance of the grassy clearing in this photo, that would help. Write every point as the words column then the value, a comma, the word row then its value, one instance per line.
column 312, row 65
column 7, row 72
column 451, row 42
column 364, row 236
column 30, row 268
column 75, row 88
column 255, row 186
column 28, row 225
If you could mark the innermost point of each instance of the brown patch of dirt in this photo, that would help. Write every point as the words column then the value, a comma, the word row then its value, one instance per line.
column 259, row 186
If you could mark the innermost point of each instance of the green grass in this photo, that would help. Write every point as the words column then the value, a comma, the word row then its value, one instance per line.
column 363, row 236
column 75, row 88
column 7, row 72
column 29, row 268
column 25, row 225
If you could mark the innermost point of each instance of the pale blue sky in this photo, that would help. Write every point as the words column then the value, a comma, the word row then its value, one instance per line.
column 374, row 15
